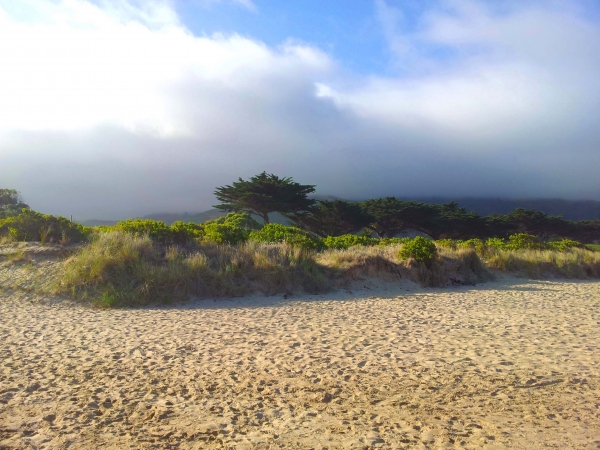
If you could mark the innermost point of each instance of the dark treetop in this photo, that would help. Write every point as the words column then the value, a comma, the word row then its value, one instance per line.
column 263, row 194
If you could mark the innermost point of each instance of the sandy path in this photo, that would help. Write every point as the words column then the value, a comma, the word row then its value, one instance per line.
column 510, row 364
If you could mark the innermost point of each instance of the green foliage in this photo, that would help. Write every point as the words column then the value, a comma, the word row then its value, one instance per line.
column 11, row 204
column 224, row 233
column 419, row 248
column 476, row 244
column 155, row 230
column 238, row 220
column 183, row 232
column 522, row 241
column 446, row 243
column 263, row 194
column 564, row 245
column 347, row 240
column 394, row 241
column 593, row 247
column 275, row 233
column 33, row 226
column 333, row 218
column 495, row 243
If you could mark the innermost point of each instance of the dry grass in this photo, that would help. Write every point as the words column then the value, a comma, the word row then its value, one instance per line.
column 451, row 266
column 574, row 263
column 119, row 269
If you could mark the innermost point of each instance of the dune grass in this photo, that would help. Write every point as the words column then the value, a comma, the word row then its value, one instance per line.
column 121, row 269
column 574, row 263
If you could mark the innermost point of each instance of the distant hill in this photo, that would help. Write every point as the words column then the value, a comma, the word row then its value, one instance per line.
column 568, row 209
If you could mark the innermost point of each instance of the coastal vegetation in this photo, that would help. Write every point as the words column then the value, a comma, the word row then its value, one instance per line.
column 328, row 245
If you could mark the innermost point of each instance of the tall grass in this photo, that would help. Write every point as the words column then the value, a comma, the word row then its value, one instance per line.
column 573, row 263
column 119, row 269
column 450, row 266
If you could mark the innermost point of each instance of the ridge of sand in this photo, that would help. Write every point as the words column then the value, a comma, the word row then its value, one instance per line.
column 508, row 364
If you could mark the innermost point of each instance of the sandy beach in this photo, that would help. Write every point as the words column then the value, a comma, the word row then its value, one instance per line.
column 507, row 364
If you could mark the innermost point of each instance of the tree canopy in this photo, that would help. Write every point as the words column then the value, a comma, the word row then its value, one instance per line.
column 11, row 203
column 333, row 218
column 264, row 194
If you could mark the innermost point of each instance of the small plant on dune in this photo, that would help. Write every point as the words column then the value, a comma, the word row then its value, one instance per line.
column 273, row 233
column 564, row 245
column 495, row 243
column 224, row 233
column 420, row 249
column 154, row 229
column 234, row 228
column 476, row 244
column 36, row 227
column 346, row 241
column 184, row 232
column 394, row 241
column 522, row 241
column 446, row 243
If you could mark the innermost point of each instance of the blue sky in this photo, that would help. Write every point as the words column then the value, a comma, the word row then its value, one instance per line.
column 119, row 108
column 351, row 31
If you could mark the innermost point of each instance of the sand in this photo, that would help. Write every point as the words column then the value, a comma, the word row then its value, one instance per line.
column 507, row 364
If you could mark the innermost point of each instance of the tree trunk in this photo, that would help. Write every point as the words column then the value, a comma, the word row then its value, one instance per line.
column 265, row 217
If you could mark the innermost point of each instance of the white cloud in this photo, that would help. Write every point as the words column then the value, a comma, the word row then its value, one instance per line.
column 116, row 109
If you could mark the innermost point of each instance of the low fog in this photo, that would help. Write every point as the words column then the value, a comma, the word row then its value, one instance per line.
column 116, row 111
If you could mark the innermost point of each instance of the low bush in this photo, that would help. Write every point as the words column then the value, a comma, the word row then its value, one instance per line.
column 564, row 245
column 154, row 229
column 394, row 241
column 37, row 227
column 446, row 243
column 346, row 241
column 522, row 241
column 419, row 248
column 476, row 244
column 273, row 233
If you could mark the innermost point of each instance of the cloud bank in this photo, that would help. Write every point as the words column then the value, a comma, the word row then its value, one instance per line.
column 115, row 109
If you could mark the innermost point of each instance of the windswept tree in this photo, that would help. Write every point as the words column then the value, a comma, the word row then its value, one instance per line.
column 264, row 194
column 11, row 203
column 333, row 218
column 391, row 216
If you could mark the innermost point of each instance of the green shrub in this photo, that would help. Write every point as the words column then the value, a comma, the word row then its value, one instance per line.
column 346, row 241
column 394, row 241
column 238, row 220
column 183, row 232
column 419, row 248
column 524, row 241
column 446, row 243
column 224, row 233
column 476, row 244
column 564, row 245
column 275, row 233
column 496, row 243
column 34, row 226
column 593, row 247
column 154, row 229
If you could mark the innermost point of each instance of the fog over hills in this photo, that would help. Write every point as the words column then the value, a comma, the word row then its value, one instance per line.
column 568, row 209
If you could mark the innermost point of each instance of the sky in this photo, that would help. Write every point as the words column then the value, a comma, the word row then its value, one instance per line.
column 120, row 108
